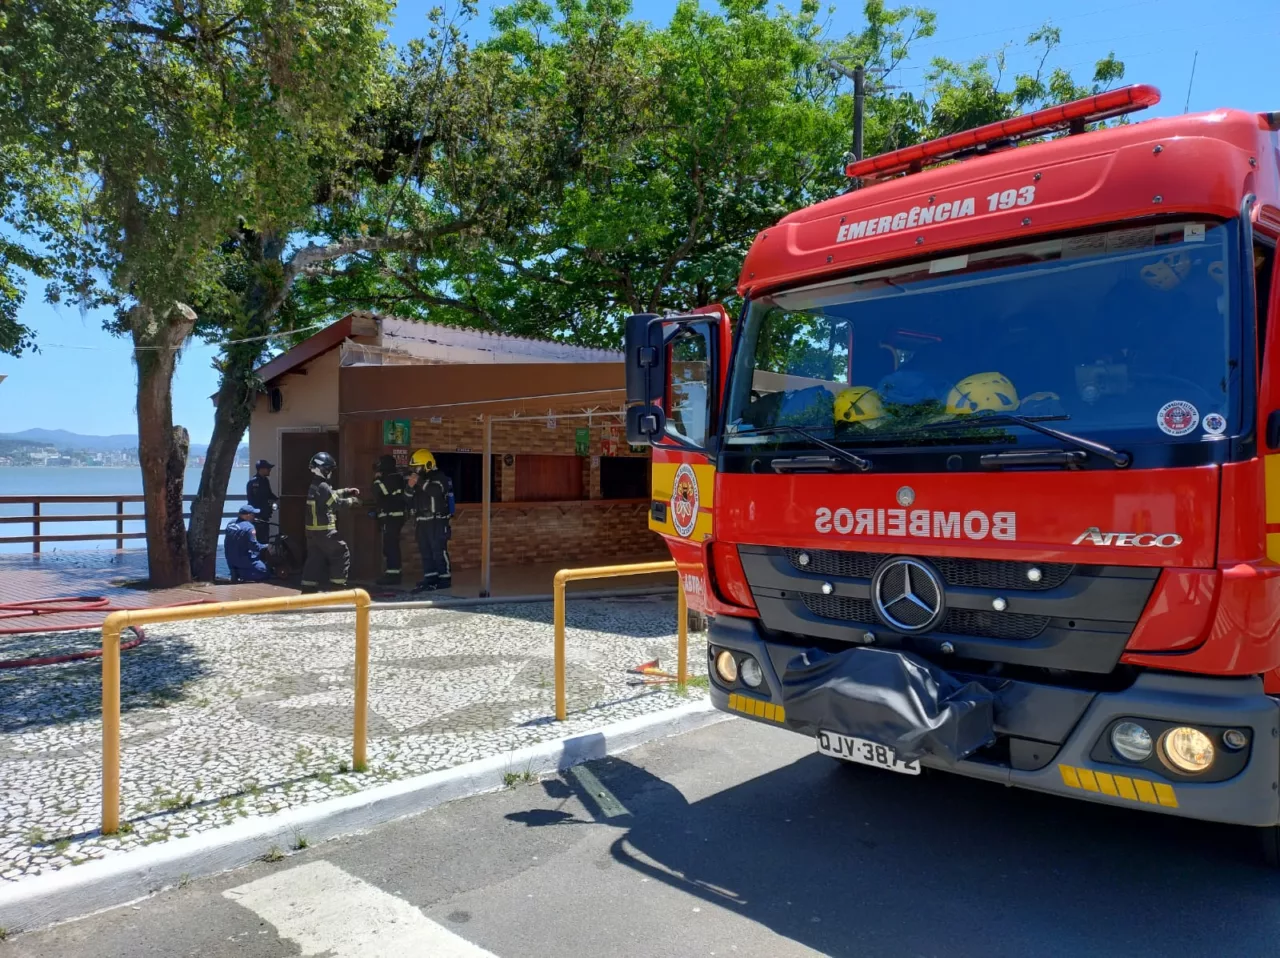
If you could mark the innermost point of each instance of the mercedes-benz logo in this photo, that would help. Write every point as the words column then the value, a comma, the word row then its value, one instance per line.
column 908, row 595
column 906, row 496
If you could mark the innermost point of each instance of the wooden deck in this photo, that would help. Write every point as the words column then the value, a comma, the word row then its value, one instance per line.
column 109, row 574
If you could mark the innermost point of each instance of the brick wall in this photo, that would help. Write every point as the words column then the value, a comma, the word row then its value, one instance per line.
column 548, row 532
column 568, row 532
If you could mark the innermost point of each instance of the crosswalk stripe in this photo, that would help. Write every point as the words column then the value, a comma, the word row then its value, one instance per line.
column 327, row 911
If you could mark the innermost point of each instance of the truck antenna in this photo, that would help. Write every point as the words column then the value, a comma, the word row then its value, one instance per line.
column 1187, row 106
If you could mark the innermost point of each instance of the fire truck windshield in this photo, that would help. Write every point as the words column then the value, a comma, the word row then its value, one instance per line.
column 1130, row 334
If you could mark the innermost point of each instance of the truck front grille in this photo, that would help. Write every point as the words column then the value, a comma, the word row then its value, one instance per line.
column 997, row 625
column 970, row 573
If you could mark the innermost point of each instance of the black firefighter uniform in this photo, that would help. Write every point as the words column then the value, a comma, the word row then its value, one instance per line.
column 328, row 558
column 433, row 527
column 390, row 490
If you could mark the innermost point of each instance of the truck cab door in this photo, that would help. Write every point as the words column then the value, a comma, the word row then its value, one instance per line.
column 676, row 370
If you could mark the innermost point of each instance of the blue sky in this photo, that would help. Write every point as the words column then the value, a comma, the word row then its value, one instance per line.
column 82, row 380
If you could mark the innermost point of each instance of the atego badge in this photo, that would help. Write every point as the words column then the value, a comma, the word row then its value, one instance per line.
column 1142, row 540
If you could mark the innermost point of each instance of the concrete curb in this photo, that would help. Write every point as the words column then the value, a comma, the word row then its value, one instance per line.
column 75, row 892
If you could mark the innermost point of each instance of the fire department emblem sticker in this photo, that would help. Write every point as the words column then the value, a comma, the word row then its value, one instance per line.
column 684, row 501
column 1177, row 418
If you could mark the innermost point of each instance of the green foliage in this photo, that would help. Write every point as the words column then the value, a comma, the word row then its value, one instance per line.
column 660, row 152
column 167, row 124
column 966, row 95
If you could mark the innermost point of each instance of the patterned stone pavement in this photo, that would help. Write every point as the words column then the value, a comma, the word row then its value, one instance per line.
column 231, row 718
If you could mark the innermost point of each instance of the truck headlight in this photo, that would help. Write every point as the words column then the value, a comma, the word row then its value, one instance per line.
column 1186, row 749
column 1132, row 741
column 727, row 666
column 752, row 675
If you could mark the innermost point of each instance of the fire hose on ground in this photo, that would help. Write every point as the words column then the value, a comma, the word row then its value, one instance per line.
column 70, row 605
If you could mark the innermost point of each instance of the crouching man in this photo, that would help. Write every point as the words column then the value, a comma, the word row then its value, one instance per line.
column 243, row 550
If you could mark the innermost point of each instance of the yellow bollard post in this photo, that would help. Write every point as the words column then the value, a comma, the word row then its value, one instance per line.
column 682, row 634
column 561, row 709
column 359, row 762
column 111, row 629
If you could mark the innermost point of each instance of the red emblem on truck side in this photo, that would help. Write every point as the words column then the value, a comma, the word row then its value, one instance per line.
column 684, row 500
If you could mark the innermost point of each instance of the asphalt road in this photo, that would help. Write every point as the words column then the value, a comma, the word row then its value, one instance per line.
column 733, row 840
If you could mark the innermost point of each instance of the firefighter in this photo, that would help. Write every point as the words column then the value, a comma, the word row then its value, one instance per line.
column 242, row 549
column 258, row 492
column 389, row 487
column 431, row 492
column 328, row 558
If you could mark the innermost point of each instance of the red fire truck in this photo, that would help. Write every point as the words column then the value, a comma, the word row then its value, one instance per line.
column 985, row 476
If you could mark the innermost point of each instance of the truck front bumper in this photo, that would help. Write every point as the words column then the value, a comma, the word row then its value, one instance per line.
column 945, row 722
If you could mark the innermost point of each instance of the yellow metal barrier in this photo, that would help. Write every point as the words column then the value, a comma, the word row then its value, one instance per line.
column 605, row 572
column 117, row 622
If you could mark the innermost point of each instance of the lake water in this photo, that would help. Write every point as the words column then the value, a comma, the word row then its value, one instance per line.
column 86, row 481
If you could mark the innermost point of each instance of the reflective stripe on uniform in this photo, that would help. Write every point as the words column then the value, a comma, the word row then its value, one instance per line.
column 328, row 528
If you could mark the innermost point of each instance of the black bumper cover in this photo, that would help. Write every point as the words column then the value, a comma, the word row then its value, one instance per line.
column 893, row 698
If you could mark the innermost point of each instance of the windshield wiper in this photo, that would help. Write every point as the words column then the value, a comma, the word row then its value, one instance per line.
column 1119, row 459
column 853, row 459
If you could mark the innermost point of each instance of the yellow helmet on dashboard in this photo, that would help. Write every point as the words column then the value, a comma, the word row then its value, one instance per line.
column 858, row 404
column 423, row 458
column 982, row 392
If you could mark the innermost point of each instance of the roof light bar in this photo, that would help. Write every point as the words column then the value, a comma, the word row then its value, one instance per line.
column 1067, row 116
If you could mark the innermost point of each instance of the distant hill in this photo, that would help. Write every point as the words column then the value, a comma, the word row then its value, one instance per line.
column 71, row 440
column 65, row 440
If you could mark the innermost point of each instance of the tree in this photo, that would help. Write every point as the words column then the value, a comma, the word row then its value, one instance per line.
column 169, row 126
column 965, row 95
column 734, row 119
column 462, row 146
column 728, row 120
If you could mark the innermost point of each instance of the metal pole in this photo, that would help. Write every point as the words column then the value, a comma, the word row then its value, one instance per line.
column 358, row 760
column 119, row 525
column 486, row 499
column 35, row 527
column 682, row 635
column 561, row 578
column 117, row 622
column 599, row 572
column 111, row 628
column 859, row 104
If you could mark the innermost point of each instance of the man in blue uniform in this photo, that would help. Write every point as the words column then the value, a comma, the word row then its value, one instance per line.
column 242, row 549
column 260, row 496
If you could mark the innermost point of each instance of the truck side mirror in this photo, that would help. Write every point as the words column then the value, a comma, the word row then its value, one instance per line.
column 645, row 424
column 646, row 358
column 670, row 379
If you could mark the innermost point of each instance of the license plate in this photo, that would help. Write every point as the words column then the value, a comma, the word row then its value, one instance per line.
column 863, row 752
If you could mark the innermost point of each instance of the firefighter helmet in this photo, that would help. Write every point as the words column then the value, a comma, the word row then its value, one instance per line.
column 322, row 464
column 982, row 392
column 423, row 459
column 1168, row 271
column 858, row 404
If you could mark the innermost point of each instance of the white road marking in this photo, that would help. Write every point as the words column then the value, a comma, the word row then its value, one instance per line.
column 325, row 910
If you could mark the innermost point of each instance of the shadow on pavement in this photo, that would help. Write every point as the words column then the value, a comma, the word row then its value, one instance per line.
column 853, row 861
column 35, row 697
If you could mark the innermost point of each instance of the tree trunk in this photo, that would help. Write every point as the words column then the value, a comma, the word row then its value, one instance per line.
column 162, row 449
column 237, row 393
column 230, row 421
